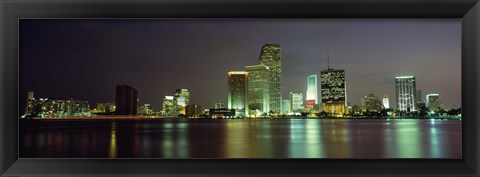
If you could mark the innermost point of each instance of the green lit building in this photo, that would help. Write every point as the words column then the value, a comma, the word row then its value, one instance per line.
column 270, row 56
column 258, row 93
column 237, row 85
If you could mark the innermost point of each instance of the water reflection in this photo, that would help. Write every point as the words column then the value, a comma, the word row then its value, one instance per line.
column 249, row 138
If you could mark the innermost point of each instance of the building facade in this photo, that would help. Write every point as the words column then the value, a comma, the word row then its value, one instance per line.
column 126, row 100
column 168, row 107
column 371, row 103
column 258, row 90
column 193, row 110
column 237, row 92
column 386, row 102
column 270, row 56
column 334, row 95
column 286, row 106
column 181, row 99
column 296, row 102
column 405, row 89
column 312, row 97
column 432, row 101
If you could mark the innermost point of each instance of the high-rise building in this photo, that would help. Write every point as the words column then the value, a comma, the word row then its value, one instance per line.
column 270, row 56
column 237, row 84
column 386, row 102
column 371, row 103
column 286, row 106
column 145, row 109
column 181, row 99
column 168, row 107
column 312, row 98
column 63, row 107
column 258, row 90
column 432, row 101
column 296, row 102
column 334, row 95
column 126, row 100
column 405, row 89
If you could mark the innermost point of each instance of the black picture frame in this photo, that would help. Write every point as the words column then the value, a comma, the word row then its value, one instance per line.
column 12, row 10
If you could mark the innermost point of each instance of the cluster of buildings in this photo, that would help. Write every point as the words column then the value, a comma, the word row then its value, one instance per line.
column 255, row 92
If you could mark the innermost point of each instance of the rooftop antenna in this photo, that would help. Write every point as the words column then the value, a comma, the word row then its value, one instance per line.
column 328, row 59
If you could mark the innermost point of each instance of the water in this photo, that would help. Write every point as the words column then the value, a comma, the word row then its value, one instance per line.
column 240, row 138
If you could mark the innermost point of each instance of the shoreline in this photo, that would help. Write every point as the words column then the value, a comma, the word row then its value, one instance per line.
column 269, row 118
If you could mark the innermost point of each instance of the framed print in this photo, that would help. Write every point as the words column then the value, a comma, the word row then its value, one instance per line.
column 249, row 88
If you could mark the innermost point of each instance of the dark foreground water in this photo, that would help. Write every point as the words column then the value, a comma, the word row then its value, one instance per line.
column 249, row 138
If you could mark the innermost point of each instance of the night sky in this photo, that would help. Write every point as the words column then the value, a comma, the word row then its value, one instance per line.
column 86, row 59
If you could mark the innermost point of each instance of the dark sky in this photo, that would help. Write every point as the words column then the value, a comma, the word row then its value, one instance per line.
column 86, row 59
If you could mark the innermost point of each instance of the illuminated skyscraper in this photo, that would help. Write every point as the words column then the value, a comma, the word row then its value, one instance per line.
column 432, row 101
column 237, row 83
column 271, row 57
column 312, row 98
column 405, row 89
column 181, row 99
column 168, row 106
column 334, row 95
column 258, row 95
column 296, row 102
column 126, row 100
column 386, row 102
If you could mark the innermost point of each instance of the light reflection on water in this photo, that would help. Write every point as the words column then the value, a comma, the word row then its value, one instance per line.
column 241, row 138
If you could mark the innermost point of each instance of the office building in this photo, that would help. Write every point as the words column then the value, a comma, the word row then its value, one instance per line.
column 146, row 110
column 312, row 98
column 405, row 89
column 371, row 103
column 296, row 102
column 419, row 97
column 64, row 107
column 333, row 92
column 270, row 56
column 168, row 107
column 126, row 100
column 237, row 84
column 432, row 101
column 286, row 106
column 258, row 90
column 193, row 110
column 181, row 99
column 386, row 102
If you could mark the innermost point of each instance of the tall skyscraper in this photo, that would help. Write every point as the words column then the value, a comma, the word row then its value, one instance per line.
column 270, row 56
column 432, row 101
column 237, row 85
column 126, row 100
column 168, row 106
column 296, row 102
column 312, row 98
column 258, row 89
column 334, row 95
column 386, row 102
column 405, row 89
column 181, row 99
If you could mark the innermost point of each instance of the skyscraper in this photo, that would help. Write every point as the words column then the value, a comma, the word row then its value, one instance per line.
column 296, row 102
column 312, row 98
column 432, row 101
column 405, row 89
column 258, row 90
column 168, row 106
column 286, row 106
column 334, row 95
column 418, row 97
column 270, row 56
column 181, row 99
column 126, row 100
column 386, row 102
column 237, row 83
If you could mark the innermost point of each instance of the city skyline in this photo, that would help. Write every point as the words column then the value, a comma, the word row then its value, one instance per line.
column 445, row 80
